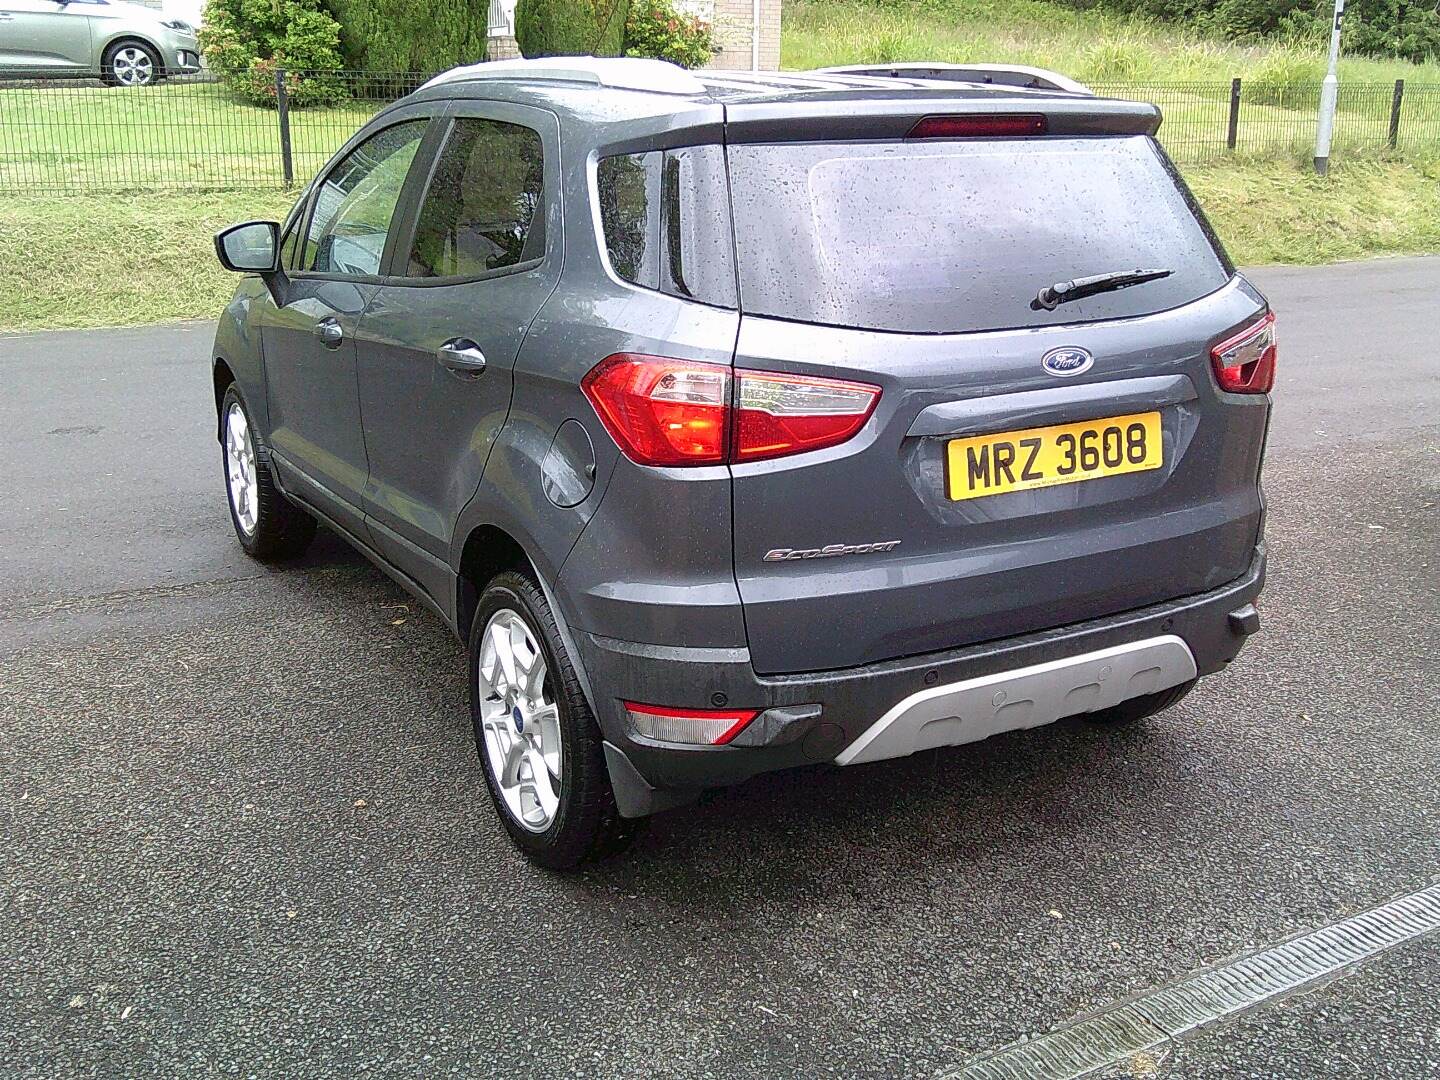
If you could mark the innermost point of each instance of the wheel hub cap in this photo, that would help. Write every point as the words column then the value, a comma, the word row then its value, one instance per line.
column 520, row 721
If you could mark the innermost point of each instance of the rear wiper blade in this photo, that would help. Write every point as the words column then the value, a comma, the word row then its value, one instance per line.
column 1062, row 292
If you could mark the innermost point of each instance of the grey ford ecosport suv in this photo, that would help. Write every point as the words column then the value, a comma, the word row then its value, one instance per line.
column 744, row 421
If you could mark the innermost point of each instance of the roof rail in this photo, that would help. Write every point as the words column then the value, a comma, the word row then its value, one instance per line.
column 1001, row 74
column 620, row 72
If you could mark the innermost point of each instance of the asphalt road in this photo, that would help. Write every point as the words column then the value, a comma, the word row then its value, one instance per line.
column 243, row 831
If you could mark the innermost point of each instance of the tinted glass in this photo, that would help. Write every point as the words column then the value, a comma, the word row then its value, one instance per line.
column 944, row 237
column 356, row 201
column 482, row 209
column 290, row 245
column 666, row 220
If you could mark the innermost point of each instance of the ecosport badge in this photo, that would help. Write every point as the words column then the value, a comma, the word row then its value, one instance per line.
column 829, row 551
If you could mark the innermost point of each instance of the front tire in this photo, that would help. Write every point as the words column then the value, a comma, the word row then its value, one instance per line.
column 1140, row 708
column 268, row 525
column 539, row 744
column 131, row 63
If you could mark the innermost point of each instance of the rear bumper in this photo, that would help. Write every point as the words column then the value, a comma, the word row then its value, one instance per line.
column 825, row 715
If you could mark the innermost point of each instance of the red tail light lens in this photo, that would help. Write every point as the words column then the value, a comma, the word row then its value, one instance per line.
column 674, row 412
column 789, row 414
column 699, row 727
column 1245, row 363
column 981, row 126
column 662, row 412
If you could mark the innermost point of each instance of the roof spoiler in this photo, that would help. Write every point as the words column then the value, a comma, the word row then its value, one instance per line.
column 1030, row 78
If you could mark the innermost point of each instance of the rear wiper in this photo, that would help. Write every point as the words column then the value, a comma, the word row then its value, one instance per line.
column 1062, row 292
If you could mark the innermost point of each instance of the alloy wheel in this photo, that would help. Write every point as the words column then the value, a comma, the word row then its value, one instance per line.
column 132, row 66
column 240, row 469
column 520, row 720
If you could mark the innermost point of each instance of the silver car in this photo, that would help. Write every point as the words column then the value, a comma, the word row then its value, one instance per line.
column 124, row 44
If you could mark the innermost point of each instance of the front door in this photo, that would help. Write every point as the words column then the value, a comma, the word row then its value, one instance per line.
column 309, row 335
column 437, row 345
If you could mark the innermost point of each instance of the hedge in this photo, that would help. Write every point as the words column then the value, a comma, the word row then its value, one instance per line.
column 571, row 27
column 411, row 35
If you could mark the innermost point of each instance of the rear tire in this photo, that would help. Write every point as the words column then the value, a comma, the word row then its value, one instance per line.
column 545, row 770
column 1139, row 708
column 268, row 525
column 131, row 63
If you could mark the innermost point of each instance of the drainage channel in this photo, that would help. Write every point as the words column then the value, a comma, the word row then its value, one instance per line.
column 1119, row 1031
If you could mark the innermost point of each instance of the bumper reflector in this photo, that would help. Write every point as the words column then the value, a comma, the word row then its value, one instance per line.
column 695, row 727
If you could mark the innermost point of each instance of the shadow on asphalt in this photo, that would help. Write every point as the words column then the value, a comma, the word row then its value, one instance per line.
column 808, row 831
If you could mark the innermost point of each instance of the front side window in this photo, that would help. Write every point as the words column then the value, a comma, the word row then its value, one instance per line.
column 482, row 211
column 355, row 203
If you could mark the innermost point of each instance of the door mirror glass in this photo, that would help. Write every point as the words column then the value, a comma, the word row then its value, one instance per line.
column 252, row 248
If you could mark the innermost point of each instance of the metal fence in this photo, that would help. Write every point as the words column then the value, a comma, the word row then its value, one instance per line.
column 197, row 134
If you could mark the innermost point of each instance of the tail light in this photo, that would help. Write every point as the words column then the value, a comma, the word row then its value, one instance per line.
column 700, row 727
column 980, row 126
column 673, row 412
column 789, row 414
column 1245, row 363
column 662, row 412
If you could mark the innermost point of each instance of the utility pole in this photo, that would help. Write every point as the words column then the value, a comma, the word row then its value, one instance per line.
column 1328, row 92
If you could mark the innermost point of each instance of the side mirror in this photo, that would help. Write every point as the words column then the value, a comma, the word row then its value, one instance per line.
column 251, row 248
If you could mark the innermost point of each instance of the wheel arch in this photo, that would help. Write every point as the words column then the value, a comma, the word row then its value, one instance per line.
column 223, row 378
column 120, row 37
column 488, row 550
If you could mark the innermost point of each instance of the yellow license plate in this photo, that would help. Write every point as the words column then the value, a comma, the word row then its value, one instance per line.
column 1043, row 457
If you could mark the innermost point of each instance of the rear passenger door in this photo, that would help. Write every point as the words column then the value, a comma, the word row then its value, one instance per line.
column 477, row 258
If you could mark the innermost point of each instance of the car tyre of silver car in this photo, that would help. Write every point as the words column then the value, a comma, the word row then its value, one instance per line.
column 539, row 744
column 268, row 525
column 1139, row 708
column 131, row 63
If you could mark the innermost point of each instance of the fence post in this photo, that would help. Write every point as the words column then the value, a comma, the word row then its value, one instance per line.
column 1233, row 131
column 282, row 108
column 1395, row 113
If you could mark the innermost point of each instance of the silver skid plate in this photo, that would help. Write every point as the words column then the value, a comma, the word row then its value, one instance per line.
column 1026, row 697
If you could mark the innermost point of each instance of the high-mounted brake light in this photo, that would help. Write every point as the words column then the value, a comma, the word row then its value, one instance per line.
column 699, row 727
column 674, row 412
column 980, row 126
column 1245, row 363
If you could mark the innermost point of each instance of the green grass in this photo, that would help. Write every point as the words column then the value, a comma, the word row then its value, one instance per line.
column 1267, row 212
column 194, row 134
column 83, row 261
column 1088, row 45
column 1188, row 76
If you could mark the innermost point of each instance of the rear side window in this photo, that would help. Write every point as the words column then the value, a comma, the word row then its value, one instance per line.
column 946, row 237
column 482, row 209
column 666, row 220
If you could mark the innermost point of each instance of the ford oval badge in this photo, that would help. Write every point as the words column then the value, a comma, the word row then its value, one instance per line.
column 1067, row 360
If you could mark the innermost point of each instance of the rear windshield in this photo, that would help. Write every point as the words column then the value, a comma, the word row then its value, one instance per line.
column 945, row 237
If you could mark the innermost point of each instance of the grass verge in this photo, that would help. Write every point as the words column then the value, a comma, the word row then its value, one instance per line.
column 1089, row 45
column 86, row 261
column 1273, row 212
column 118, row 260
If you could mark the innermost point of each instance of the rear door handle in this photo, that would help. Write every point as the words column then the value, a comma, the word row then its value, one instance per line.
column 329, row 332
column 462, row 356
